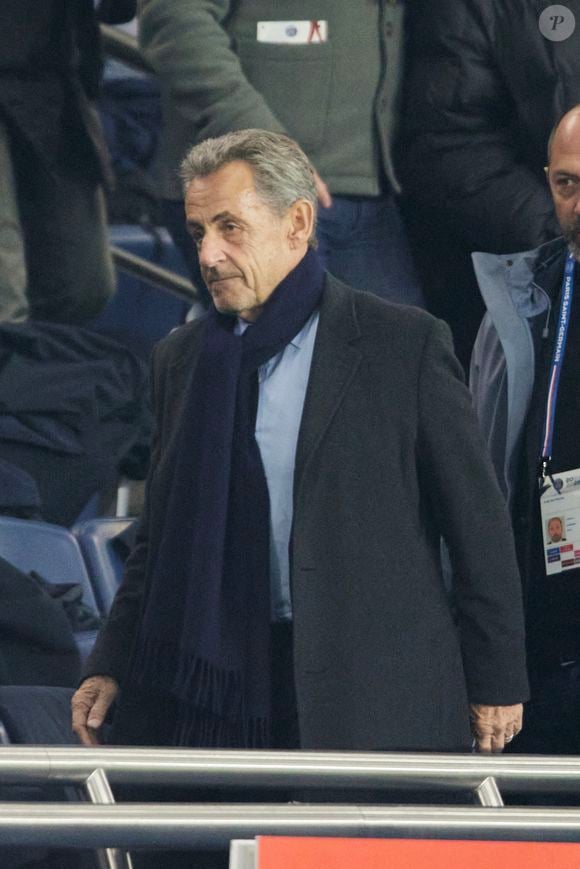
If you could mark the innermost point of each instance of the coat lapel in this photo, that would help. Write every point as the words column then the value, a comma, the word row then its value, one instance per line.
column 334, row 363
column 179, row 373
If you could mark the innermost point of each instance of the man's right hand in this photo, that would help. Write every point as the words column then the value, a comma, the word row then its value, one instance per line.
column 322, row 191
column 90, row 704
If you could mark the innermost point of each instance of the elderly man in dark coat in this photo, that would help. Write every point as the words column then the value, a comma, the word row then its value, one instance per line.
column 313, row 445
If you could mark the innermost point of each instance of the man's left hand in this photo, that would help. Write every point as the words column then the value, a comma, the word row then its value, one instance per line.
column 494, row 726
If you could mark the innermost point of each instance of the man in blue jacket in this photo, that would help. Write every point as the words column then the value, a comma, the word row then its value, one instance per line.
column 524, row 381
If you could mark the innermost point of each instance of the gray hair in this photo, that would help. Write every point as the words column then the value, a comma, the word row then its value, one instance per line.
column 282, row 172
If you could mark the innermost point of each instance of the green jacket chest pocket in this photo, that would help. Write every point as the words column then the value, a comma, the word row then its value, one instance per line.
column 295, row 81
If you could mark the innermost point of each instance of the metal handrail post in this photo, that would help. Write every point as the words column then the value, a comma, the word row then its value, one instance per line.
column 98, row 791
column 489, row 794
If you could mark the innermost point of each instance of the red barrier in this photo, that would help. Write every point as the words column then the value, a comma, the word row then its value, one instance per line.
column 280, row 852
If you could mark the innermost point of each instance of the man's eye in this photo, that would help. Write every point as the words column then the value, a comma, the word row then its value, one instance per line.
column 230, row 227
column 567, row 186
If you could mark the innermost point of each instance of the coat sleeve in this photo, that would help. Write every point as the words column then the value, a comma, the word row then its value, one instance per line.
column 187, row 45
column 463, row 493
column 112, row 650
column 461, row 163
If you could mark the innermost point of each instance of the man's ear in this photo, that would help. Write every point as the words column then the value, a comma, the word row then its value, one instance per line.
column 301, row 217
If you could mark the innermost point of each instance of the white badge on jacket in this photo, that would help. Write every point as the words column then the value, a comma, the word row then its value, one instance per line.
column 292, row 32
column 560, row 508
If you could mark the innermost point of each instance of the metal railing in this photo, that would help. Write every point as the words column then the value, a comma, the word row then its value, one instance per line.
column 154, row 274
column 105, row 825
column 300, row 769
column 123, row 47
column 212, row 827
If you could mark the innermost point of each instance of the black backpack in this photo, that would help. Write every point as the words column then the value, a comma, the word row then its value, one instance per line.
column 37, row 645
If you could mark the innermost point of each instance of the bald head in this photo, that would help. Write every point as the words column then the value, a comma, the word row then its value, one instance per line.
column 566, row 127
column 564, row 176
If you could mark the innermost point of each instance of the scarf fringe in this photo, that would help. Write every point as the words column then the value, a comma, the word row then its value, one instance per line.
column 197, row 728
column 194, row 681
column 213, row 659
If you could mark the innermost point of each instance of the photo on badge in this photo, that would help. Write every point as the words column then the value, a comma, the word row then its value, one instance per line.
column 555, row 530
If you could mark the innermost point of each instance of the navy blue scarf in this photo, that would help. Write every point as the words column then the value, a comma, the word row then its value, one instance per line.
column 205, row 636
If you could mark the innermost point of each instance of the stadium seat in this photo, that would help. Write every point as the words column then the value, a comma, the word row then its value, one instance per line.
column 54, row 553
column 103, row 560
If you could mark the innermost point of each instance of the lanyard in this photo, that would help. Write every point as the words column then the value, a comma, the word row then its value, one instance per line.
column 557, row 362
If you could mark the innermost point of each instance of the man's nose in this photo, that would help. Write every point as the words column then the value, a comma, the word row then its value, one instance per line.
column 210, row 251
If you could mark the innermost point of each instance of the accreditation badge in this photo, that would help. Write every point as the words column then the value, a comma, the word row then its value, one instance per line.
column 292, row 32
column 560, row 509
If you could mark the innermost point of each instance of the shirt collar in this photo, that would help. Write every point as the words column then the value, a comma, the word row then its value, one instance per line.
column 297, row 340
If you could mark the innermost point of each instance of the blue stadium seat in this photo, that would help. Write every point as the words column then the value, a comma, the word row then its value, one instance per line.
column 50, row 550
column 54, row 553
column 103, row 560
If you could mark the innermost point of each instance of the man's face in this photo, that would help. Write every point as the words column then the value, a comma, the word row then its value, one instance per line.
column 244, row 248
column 555, row 530
column 564, row 177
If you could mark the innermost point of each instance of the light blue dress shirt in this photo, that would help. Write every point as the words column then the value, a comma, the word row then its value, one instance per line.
column 282, row 389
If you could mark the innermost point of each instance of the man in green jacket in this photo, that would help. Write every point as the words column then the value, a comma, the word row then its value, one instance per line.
column 332, row 83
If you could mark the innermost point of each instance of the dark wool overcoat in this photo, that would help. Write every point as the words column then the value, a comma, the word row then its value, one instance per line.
column 389, row 458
